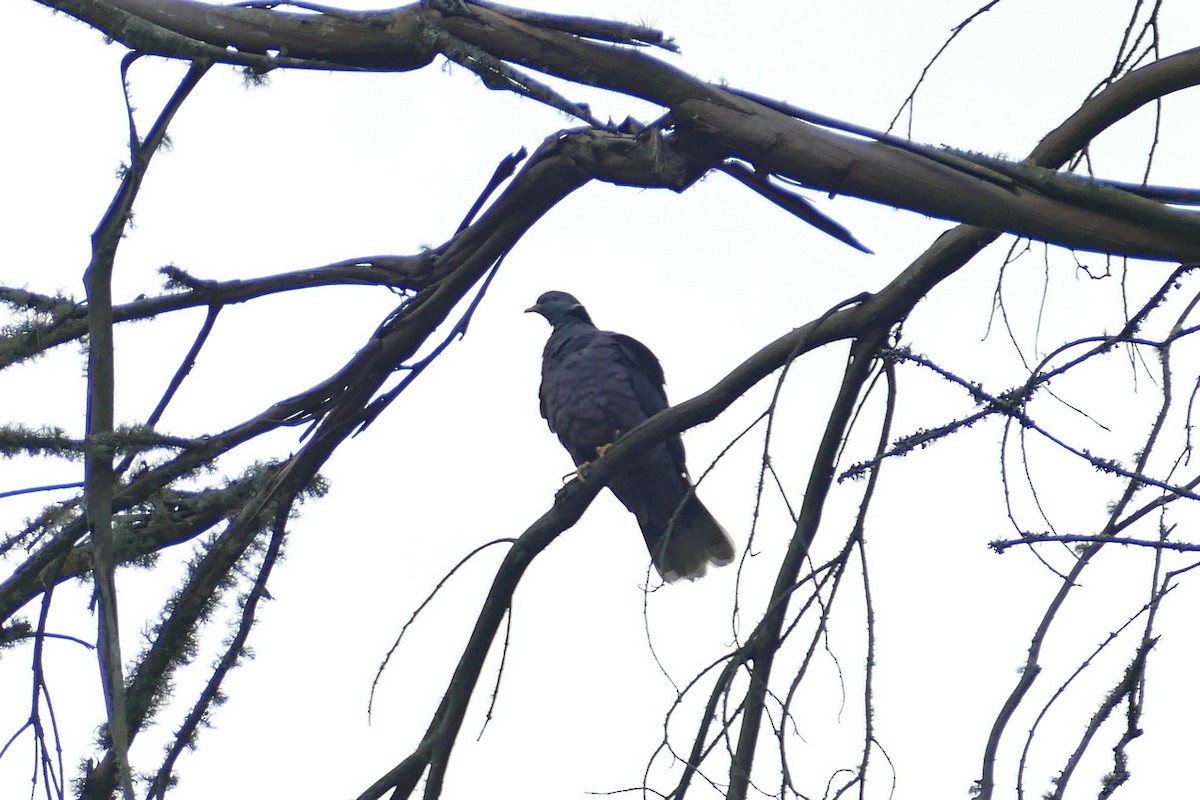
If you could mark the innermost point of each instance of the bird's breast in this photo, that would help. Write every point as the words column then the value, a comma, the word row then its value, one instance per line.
column 587, row 396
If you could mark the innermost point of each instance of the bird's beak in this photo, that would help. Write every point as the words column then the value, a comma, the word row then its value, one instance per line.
column 535, row 307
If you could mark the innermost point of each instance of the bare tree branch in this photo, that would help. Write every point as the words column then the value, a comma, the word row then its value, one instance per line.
column 1042, row 205
column 99, row 476
column 772, row 148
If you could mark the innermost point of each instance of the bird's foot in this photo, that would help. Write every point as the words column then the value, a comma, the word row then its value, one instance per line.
column 581, row 470
column 604, row 448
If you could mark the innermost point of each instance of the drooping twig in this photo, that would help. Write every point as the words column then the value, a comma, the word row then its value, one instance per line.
column 419, row 609
column 986, row 784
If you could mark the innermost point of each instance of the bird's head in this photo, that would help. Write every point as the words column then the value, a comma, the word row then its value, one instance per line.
column 560, row 307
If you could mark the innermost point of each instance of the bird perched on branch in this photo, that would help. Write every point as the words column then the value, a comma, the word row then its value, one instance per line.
column 597, row 385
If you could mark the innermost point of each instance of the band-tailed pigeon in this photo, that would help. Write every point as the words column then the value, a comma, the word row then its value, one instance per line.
column 597, row 385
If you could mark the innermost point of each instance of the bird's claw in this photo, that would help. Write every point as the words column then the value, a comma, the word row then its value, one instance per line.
column 577, row 473
column 581, row 469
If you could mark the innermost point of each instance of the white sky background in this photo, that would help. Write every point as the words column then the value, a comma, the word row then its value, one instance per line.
column 321, row 167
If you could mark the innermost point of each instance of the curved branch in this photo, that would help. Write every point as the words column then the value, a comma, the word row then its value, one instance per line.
column 434, row 749
column 779, row 144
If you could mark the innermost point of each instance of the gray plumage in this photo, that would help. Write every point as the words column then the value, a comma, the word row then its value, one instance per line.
column 597, row 385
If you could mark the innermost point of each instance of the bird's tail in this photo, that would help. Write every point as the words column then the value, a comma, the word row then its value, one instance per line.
column 691, row 541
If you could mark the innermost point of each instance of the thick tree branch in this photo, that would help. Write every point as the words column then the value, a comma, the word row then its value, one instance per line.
column 261, row 38
column 817, row 157
column 1048, row 206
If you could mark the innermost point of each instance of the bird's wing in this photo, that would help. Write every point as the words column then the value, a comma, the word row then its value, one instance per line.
column 647, row 380
column 542, row 403
column 645, row 373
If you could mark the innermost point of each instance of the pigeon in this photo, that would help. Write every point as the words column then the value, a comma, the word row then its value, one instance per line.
column 597, row 385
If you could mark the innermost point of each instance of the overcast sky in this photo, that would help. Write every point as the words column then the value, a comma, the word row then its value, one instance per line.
column 316, row 168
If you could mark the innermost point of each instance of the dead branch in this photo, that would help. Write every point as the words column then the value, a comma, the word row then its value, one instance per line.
column 1043, row 205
